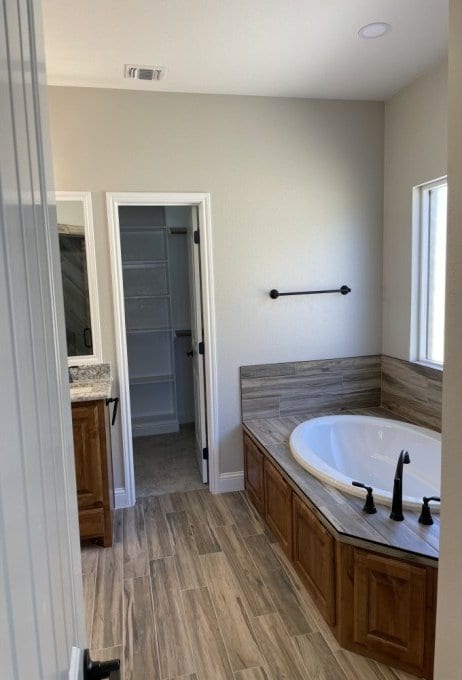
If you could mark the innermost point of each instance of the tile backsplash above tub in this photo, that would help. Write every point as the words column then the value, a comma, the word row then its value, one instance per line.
column 412, row 391
column 409, row 390
column 272, row 390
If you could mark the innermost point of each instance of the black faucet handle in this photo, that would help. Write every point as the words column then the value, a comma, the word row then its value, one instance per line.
column 425, row 514
column 369, row 505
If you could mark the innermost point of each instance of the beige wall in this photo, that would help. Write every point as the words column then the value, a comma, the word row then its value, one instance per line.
column 296, row 189
column 448, row 660
column 415, row 152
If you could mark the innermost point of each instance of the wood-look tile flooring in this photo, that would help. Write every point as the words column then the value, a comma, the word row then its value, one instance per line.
column 195, row 588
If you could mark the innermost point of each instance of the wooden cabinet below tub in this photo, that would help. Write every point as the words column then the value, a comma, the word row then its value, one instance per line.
column 387, row 609
column 278, row 506
column 253, row 477
column 93, row 469
column 314, row 557
column 377, row 604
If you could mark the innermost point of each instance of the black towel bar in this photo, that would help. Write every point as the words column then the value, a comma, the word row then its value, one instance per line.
column 344, row 290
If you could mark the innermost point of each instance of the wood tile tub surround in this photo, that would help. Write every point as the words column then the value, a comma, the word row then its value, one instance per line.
column 378, row 605
column 410, row 390
column 302, row 387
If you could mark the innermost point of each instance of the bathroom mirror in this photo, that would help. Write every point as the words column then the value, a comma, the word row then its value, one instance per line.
column 78, row 267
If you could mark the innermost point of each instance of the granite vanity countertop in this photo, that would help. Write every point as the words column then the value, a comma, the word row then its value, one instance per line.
column 342, row 512
column 89, row 383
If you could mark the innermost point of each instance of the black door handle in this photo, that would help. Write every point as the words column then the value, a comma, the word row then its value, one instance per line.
column 115, row 401
column 190, row 353
column 87, row 338
column 100, row 670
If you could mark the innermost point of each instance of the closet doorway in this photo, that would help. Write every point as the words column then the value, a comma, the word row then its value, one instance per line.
column 163, row 295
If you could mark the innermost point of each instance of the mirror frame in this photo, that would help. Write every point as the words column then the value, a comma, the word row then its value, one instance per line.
column 85, row 198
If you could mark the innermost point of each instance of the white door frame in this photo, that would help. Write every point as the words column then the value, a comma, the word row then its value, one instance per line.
column 202, row 201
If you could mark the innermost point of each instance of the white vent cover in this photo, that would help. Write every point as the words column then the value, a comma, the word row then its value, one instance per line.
column 144, row 72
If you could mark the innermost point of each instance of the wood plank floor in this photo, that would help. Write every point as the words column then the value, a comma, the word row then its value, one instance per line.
column 195, row 588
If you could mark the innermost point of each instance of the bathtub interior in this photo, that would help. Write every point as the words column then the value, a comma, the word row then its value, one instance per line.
column 340, row 449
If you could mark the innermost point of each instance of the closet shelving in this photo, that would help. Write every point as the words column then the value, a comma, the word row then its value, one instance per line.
column 149, row 327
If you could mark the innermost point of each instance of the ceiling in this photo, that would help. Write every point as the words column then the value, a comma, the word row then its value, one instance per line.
column 283, row 48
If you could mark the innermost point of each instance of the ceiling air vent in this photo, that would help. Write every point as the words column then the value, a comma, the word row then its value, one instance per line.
column 144, row 72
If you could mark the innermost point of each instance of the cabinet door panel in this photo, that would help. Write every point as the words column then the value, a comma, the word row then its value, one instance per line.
column 92, row 523
column 390, row 607
column 253, row 466
column 313, row 557
column 278, row 506
column 89, row 448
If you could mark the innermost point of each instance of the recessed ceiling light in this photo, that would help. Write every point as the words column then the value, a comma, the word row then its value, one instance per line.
column 377, row 29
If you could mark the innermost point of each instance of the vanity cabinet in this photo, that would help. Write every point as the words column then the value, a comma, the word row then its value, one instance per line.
column 93, row 470
column 278, row 506
column 253, row 471
column 314, row 557
column 377, row 605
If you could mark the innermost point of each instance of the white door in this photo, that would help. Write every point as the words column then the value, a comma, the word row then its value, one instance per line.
column 197, row 333
column 41, row 603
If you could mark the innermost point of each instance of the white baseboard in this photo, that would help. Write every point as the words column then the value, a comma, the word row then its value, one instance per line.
column 230, row 481
column 76, row 664
column 121, row 498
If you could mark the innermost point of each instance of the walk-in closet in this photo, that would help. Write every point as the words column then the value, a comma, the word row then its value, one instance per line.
column 155, row 243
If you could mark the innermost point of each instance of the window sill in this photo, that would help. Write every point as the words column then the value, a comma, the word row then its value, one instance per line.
column 428, row 364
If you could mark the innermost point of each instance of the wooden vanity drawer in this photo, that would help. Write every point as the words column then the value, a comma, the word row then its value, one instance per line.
column 91, row 522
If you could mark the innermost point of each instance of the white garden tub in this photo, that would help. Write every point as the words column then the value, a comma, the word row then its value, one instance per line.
column 342, row 448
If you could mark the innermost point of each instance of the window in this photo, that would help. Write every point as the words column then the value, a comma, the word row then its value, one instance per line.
column 432, row 202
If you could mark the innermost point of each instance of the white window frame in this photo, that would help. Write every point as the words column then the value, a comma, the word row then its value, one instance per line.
column 420, row 248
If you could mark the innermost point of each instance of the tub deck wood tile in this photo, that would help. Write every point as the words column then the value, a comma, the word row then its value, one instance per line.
column 228, row 625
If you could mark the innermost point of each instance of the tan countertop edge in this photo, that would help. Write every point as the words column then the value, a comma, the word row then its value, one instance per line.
column 90, row 390
column 366, row 531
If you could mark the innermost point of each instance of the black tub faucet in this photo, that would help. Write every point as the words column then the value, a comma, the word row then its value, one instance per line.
column 397, row 503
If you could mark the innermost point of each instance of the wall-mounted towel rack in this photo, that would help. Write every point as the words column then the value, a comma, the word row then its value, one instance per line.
column 343, row 290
